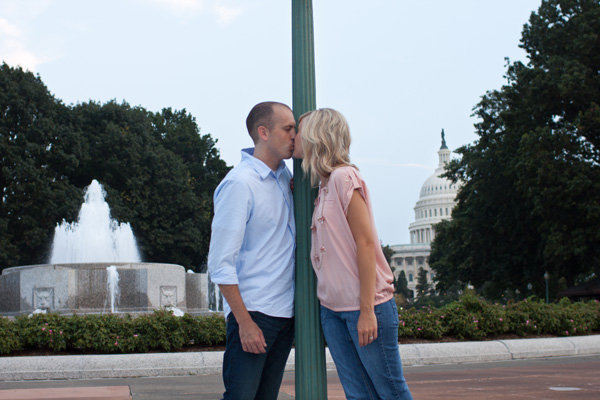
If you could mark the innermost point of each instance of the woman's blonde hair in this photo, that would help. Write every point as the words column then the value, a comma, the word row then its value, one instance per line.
column 325, row 140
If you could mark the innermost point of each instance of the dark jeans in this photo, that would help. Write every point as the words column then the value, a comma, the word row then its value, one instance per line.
column 248, row 376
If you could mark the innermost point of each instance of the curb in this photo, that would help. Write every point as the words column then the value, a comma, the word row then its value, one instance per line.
column 205, row 363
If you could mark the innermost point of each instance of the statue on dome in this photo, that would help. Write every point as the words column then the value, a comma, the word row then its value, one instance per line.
column 444, row 146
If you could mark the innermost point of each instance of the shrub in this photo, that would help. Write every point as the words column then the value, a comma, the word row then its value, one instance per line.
column 9, row 339
column 470, row 317
column 208, row 331
column 41, row 331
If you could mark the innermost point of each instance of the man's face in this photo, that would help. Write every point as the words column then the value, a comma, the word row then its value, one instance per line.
column 282, row 133
column 298, row 151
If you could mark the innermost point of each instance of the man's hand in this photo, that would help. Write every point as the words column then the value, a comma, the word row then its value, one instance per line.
column 252, row 338
column 367, row 327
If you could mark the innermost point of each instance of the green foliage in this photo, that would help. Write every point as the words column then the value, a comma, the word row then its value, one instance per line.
column 473, row 318
column 564, row 319
column 159, row 331
column 421, row 324
column 9, row 337
column 159, row 172
column 469, row 318
column 111, row 333
column 401, row 285
column 42, row 332
column 208, row 331
column 35, row 195
column 423, row 287
column 99, row 333
column 525, row 205
column 388, row 252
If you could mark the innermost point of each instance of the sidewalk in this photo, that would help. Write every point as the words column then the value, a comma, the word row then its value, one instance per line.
column 552, row 378
column 207, row 363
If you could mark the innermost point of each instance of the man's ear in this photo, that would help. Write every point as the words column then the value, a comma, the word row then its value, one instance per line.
column 263, row 133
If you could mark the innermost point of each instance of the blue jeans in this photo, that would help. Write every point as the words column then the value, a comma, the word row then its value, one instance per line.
column 369, row 372
column 248, row 376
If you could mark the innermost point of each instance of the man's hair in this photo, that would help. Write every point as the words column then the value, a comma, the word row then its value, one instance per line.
column 325, row 140
column 261, row 115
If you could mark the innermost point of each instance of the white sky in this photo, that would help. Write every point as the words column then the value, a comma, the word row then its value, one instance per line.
column 399, row 70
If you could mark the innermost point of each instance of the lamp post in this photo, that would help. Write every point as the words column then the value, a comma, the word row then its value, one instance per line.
column 546, row 277
column 311, row 378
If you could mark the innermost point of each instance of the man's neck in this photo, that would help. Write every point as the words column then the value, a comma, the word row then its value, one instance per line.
column 265, row 157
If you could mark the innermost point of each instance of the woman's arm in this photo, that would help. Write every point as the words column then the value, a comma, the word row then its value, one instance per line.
column 360, row 225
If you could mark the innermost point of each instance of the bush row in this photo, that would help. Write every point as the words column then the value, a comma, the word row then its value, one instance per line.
column 468, row 318
column 475, row 319
column 110, row 333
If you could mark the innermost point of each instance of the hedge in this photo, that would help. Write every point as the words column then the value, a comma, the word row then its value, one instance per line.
column 469, row 318
column 473, row 318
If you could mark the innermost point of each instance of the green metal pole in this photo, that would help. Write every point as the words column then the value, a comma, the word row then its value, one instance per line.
column 311, row 378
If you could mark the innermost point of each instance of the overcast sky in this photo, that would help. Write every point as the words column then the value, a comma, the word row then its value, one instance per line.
column 399, row 70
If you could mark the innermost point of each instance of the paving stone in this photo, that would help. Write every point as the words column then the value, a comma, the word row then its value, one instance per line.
column 71, row 393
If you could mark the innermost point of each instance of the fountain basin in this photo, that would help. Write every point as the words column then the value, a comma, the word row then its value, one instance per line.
column 82, row 288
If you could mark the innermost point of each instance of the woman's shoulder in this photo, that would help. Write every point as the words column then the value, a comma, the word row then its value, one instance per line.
column 346, row 177
column 344, row 171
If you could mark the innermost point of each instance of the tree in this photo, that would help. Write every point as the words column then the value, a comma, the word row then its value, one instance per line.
column 423, row 286
column 388, row 252
column 402, row 286
column 159, row 175
column 205, row 169
column 35, row 196
column 158, row 171
column 528, row 201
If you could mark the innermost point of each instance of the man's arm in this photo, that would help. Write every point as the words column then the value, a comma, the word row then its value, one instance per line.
column 251, row 336
column 232, row 205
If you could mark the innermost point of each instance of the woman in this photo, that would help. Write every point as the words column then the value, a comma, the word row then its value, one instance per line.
column 354, row 282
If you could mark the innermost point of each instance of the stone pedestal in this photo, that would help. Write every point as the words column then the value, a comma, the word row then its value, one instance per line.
column 83, row 288
column 196, row 293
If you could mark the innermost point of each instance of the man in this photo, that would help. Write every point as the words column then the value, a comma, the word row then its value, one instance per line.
column 251, row 256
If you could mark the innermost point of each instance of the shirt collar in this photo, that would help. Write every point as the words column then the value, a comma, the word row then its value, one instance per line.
column 260, row 167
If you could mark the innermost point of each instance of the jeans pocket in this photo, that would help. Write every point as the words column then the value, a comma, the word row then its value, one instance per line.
column 387, row 314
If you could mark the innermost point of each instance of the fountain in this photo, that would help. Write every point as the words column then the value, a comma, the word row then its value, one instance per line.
column 112, row 284
column 215, row 297
column 95, row 263
column 95, row 237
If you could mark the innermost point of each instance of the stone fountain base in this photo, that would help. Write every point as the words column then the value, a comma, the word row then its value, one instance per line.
column 83, row 289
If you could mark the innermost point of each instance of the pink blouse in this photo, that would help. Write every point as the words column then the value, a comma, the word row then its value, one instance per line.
column 333, row 250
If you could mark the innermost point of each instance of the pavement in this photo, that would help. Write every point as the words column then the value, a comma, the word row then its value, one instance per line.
column 546, row 368
column 541, row 378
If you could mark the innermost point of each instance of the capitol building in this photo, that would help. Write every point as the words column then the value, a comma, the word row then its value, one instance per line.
column 436, row 200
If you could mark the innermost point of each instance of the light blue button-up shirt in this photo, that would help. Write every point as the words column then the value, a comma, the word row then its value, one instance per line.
column 253, row 236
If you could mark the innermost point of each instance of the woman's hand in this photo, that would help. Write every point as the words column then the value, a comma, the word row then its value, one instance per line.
column 367, row 327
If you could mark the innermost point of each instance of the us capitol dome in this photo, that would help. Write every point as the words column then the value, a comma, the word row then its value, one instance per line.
column 436, row 201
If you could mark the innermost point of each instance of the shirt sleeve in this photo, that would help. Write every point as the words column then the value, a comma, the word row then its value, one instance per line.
column 346, row 183
column 232, row 207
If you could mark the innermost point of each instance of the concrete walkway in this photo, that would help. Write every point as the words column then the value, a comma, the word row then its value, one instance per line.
column 548, row 378
column 205, row 363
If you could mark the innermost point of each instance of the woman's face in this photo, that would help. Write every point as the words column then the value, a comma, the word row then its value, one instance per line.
column 298, row 151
